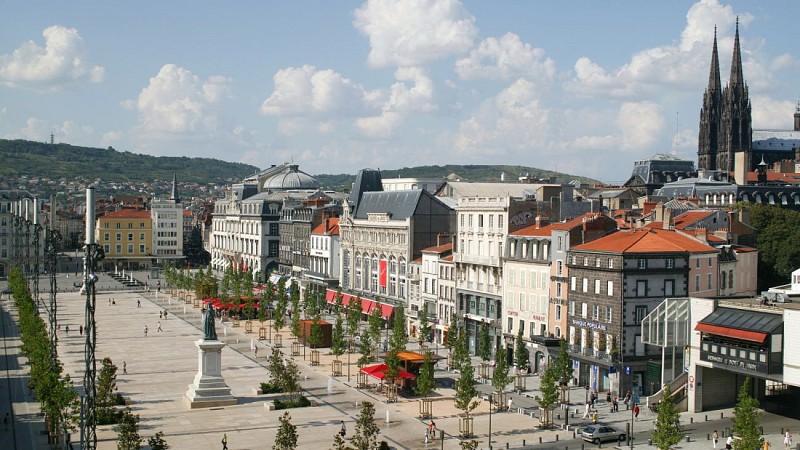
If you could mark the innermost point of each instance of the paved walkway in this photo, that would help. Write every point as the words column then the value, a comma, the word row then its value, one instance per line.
column 161, row 365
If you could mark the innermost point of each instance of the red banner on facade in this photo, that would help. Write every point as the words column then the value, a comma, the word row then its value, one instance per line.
column 382, row 275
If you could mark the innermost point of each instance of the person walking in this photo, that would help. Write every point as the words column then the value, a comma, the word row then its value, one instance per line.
column 80, row 329
column 165, row 314
column 224, row 441
column 343, row 431
column 124, row 368
column 715, row 439
column 787, row 439
column 767, row 444
column 586, row 410
column 636, row 412
column 145, row 330
column 138, row 303
column 255, row 351
column 160, row 314
column 66, row 329
column 159, row 330
column 729, row 442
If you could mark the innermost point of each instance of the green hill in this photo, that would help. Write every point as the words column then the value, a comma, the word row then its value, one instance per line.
column 473, row 173
column 55, row 161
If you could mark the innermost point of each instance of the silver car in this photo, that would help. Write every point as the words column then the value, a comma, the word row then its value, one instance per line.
column 599, row 433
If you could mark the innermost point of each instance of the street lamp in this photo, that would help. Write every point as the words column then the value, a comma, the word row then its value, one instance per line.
column 490, row 421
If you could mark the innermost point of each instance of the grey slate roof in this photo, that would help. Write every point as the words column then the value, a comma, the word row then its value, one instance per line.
column 740, row 319
column 399, row 205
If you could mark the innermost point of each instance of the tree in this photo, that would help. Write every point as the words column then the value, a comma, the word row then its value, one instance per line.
column 465, row 385
column 128, row 438
column 425, row 330
column 315, row 338
column 484, row 343
column 747, row 420
column 157, row 442
column 426, row 382
column 549, row 397
column 294, row 297
column 339, row 442
column 280, row 307
column 667, row 430
column 337, row 337
column 521, row 353
column 290, row 379
column 452, row 333
column 500, row 377
column 353, row 316
column 399, row 332
column 775, row 226
column 375, row 323
column 193, row 249
column 365, row 436
column 286, row 438
column 106, row 393
column 563, row 365
column 276, row 368
column 365, row 348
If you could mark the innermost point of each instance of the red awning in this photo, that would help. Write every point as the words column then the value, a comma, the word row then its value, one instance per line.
column 752, row 336
column 366, row 304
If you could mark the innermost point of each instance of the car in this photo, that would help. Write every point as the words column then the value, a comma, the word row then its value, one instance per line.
column 599, row 433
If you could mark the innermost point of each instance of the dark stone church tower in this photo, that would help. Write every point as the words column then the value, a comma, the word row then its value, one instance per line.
column 725, row 120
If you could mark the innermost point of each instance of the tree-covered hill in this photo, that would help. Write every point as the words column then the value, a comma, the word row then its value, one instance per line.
column 474, row 173
column 39, row 159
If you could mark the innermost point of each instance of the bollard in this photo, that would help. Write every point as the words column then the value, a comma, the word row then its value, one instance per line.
column 649, row 442
column 559, row 416
column 556, row 437
column 722, row 415
column 506, row 445
column 582, row 446
column 687, row 438
column 761, row 429
column 540, row 439
column 691, row 419
column 708, row 437
column 523, row 442
column 574, row 433
column 600, row 445
column 706, row 417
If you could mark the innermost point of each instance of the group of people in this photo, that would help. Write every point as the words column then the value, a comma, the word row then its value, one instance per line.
column 787, row 441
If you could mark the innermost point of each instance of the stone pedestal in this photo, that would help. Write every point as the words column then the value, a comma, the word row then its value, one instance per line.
column 209, row 388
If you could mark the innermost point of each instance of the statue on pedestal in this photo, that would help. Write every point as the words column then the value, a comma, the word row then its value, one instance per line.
column 209, row 328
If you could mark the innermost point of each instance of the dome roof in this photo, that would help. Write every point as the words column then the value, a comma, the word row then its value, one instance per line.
column 290, row 178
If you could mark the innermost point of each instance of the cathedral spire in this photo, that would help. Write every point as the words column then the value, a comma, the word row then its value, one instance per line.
column 737, row 78
column 713, row 76
column 175, row 195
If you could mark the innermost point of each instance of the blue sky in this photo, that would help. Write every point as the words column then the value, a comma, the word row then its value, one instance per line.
column 582, row 87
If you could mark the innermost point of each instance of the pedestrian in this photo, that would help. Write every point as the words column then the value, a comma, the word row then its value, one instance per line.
column 787, row 439
column 608, row 396
column 6, row 420
column 109, row 301
column 636, row 412
column 145, row 330
column 114, row 302
column 159, row 330
column 165, row 314
column 138, row 303
column 224, row 441
column 343, row 431
column 715, row 439
column 614, row 404
column 586, row 411
column 124, row 368
column 80, row 329
column 766, row 445
column 510, row 402
column 426, row 435
column 729, row 442
column 66, row 329
column 160, row 314
column 255, row 351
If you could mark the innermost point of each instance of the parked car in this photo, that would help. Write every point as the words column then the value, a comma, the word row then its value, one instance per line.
column 599, row 433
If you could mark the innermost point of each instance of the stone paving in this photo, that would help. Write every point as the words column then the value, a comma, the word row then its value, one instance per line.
column 161, row 365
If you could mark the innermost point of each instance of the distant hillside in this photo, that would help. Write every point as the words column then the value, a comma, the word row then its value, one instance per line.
column 474, row 173
column 39, row 159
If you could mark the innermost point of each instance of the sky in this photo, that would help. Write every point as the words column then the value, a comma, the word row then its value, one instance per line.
column 580, row 87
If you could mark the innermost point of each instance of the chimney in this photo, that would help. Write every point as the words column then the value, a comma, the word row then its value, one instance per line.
column 541, row 221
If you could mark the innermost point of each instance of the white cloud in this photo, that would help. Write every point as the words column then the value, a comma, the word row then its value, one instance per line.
column 177, row 101
column 769, row 113
column 413, row 92
column 505, row 58
column 36, row 129
column 61, row 62
column 306, row 91
column 640, row 124
column 680, row 65
column 413, row 32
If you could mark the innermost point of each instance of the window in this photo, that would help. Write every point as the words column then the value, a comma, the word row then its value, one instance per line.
column 722, row 280
column 141, row 248
column 709, row 281
column 670, row 263
column 511, row 277
column 585, row 260
column 642, row 264
column 480, row 220
column 669, row 287
column 462, row 219
column 610, row 263
column 558, row 290
column 141, row 236
column 609, row 313
column 641, row 313
column 130, row 248
column 697, row 262
column 522, row 301
column 491, row 220
column 470, row 221
column 597, row 262
column 119, row 236
column 710, row 262
column 730, row 279
column 595, row 312
column 130, row 236
column 641, row 288
column 584, row 310
column 510, row 324
column 585, row 285
column 697, row 281
column 559, row 268
column 106, row 237
column 118, row 248
column 500, row 221
column 596, row 286
column 573, row 283
column 558, row 312
column 560, row 242
column 610, row 288
column 572, row 307
column 521, row 326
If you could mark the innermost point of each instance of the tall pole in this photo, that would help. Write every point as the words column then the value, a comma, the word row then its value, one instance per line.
column 93, row 254
column 490, row 421
column 37, row 229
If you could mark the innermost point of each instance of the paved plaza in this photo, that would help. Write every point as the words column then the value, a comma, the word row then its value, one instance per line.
column 161, row 365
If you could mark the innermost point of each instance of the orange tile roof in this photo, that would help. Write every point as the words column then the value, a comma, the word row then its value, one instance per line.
column 332, row 227
column 448, row 258
column 187, row 213
column 128, row 214
column 688, row 218
column 646, row 241
column 439, row 248
column 546, row 230
column 776, row 176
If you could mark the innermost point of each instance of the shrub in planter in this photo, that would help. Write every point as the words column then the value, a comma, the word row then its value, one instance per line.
column 269, row 388
column 300, row 402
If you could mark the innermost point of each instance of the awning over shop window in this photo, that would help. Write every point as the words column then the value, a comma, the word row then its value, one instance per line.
column 747, row 325
column 367, row 305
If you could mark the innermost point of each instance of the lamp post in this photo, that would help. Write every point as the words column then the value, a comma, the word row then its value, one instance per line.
column 490, row 421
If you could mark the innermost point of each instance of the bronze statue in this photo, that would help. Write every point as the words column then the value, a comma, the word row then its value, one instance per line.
column 209, row 329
